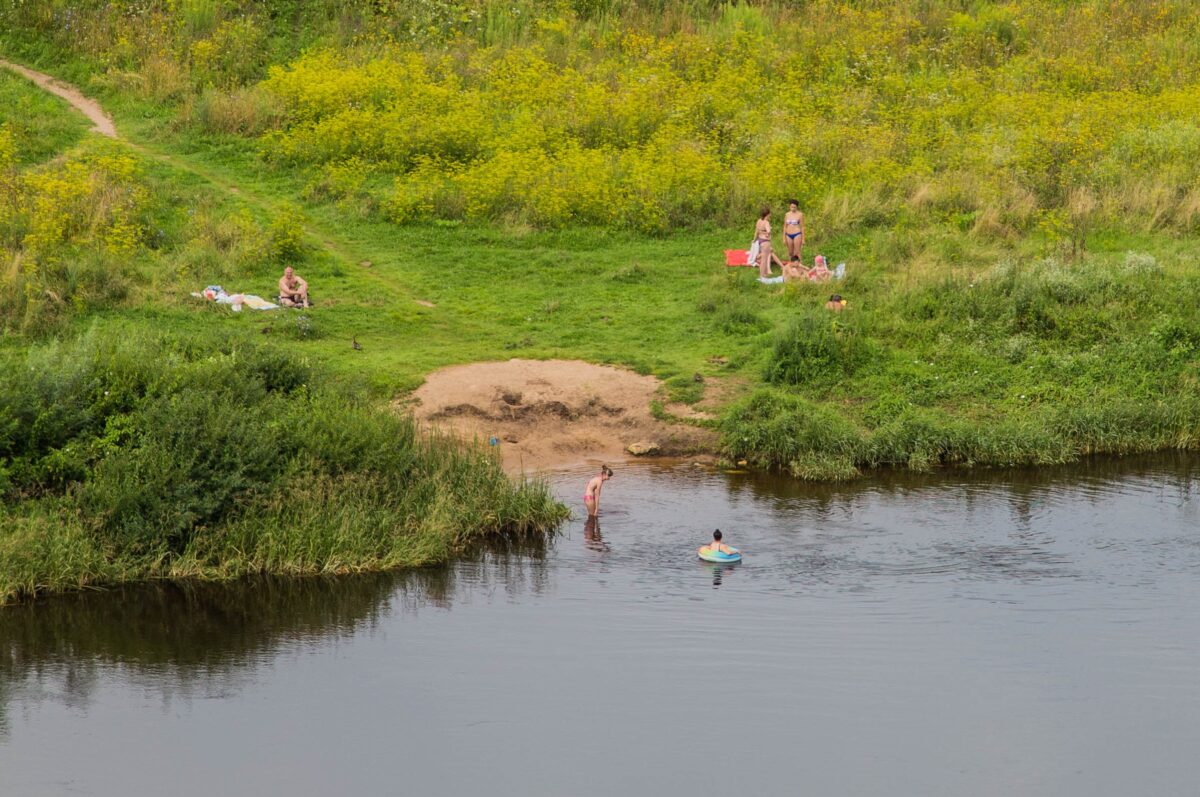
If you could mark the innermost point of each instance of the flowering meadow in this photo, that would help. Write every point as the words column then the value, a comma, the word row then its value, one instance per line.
column 1000, row 118
column 1015, row 116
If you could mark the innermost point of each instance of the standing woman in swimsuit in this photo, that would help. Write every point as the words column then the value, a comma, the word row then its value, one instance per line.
column 793, row 231
column 762, row 236
column 591, row 493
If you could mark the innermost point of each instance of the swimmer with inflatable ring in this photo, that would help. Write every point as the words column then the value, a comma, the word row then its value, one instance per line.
column 718, row 551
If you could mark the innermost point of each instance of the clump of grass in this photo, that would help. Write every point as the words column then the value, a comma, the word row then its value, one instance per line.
column 130, row 456
column 241, row 112
column 732, row 311
column 774, row 429
column 634, row 272
column 286, row 234
column 300, row 325
column 685, row 389
column 817, row 347
column 1141, row 263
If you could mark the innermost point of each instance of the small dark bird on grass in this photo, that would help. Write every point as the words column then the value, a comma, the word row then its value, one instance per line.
column 354, row 342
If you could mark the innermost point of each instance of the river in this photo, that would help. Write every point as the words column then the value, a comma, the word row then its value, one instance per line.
column 1032, row 632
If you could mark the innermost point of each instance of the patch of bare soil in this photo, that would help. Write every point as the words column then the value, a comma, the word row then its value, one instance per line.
column 102, row 123
column 553, row 413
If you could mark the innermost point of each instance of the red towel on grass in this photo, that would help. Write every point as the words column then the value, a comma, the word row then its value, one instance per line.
column 736, row 257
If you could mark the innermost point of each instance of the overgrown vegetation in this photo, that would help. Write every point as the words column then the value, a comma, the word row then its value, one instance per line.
column 1002, row 118
column 1012, row 186
column 85, row 222
column 1022, row 365
column 132, row 456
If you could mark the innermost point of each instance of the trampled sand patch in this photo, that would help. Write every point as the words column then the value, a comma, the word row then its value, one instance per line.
column 553, row 413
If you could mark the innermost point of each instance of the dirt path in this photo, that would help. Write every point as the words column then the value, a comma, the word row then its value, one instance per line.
column 102, row 123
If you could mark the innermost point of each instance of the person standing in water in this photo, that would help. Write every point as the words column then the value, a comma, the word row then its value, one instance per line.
column 793, row 231
column 591, row 493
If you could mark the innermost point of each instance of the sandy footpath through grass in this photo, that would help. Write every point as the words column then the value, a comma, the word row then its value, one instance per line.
column 102, row 123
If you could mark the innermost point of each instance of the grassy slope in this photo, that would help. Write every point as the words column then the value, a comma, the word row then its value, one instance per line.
column 87, row 424
column 41, row 122
column 618, row 297
column 593, row 294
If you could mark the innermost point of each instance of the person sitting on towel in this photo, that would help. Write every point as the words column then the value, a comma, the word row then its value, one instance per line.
column 293, row 290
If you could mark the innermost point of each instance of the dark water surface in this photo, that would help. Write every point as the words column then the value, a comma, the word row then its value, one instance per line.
column 1020, row 633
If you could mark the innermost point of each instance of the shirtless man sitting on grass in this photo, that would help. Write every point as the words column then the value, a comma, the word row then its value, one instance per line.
column 293, row 290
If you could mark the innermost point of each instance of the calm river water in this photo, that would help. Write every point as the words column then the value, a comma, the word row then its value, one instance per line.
column 1016, row 633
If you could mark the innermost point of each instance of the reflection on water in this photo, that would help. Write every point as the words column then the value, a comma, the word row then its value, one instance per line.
column 591, row 535
column 898, row 615
column 719, row 571
column 197, row 639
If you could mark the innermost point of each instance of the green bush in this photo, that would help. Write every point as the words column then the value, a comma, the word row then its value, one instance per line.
column 181, row 457
column 817, row 347
column 771, row 429
column 286, row 234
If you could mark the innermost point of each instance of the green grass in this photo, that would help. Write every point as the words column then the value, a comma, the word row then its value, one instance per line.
column 133, row 455
column 1005, row 329
column 41, row 124
column 964, row 342
column 145, row 434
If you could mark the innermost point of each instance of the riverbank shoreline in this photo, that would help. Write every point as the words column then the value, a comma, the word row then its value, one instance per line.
column 133, row 456
column 1041, row 323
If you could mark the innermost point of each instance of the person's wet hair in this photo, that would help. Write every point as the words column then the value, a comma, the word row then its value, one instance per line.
column 794, row 202
column 837, row 297
column 717, row 534
column 766, row 211
column 605, row 471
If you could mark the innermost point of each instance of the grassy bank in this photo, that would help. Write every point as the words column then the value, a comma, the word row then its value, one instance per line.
column 131, row 456
column 1011, row 185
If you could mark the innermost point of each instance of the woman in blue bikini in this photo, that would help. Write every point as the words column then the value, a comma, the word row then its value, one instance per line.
column 793, row 231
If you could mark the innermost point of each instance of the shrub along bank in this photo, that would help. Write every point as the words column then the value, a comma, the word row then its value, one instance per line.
column 131, row 456
column 1033, row 364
